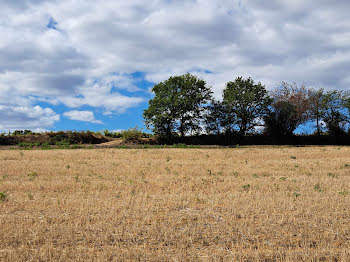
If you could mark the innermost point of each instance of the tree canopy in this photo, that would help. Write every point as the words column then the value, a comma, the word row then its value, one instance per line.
column 248, row 102
column 177, row 106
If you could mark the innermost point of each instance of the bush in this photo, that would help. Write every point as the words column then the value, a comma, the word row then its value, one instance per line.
column 132, row 135
column 71, row 138
column 22, row 132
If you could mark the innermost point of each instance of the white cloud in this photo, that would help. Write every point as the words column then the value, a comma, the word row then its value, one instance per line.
column 86, row 116
column 23, row 117
column 99, row 43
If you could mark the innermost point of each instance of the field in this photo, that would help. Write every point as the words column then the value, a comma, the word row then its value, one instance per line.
column 228, row 204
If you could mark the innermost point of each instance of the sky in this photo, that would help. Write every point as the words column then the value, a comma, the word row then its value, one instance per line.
column 90, row 64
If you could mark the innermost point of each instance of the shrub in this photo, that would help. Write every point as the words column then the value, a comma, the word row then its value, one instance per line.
column 132, row 135
column 22, row 132
column 71, row 137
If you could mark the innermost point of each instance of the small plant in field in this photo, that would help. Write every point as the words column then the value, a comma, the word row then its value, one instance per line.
column 255, row 175
column 296, row 166
column 347, row 165
column 3, row 196
column 344, row 193
column 332, row 175
column 30, row 196
column 235, row 174
column 246, row 187
column 296, row 195
column 168, row 158
column 283, row 178
column 293, row 157
column 68, row 166
column 317, row 187
column 32, row 175
column 76, row 178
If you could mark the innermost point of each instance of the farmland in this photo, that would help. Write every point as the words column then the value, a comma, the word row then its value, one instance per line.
column 171, row 204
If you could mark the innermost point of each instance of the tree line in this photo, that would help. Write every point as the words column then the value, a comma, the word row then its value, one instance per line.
column 184, row 106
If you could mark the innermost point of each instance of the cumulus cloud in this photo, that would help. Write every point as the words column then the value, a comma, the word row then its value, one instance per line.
column 22, row 117
column 79, row 53
column 86, row 116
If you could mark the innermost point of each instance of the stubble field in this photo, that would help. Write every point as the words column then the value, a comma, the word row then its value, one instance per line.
column 229, row 204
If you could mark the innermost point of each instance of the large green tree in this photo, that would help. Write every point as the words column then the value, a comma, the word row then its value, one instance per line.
column 247, row 102
column 177, row 106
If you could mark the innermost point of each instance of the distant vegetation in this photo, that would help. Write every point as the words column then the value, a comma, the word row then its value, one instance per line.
column 28, row 139
column 184, row 110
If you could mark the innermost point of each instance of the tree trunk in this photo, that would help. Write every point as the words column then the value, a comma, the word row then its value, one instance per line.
column 318, row 125
column 182, row 128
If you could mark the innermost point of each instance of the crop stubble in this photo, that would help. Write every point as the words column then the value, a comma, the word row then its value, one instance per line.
column 241, row 204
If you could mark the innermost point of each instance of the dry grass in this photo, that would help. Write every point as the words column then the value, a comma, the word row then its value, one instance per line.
column 245, row 204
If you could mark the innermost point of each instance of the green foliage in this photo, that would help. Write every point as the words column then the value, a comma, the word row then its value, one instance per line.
column 218, row 118
column 296, row 195
column 132, row 135
column 317, row 187
column 282, row 120
column 332, row 175
column 22, row 132
column 344, row 193
column 108, row 133
column 317, row 107
column 3, row 196
column 28, row 145
column 45, row 146
column 32, row 175
column 177, row 106
column 333, row 115
column 247, row 103
column 71, row 138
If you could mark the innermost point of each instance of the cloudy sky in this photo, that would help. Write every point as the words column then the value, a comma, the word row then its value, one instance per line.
column 89, row 64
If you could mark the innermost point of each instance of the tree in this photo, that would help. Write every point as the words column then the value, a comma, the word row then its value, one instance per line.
column 317, row 109
column 282, row 120
column 218, row 118
column 177, row 105
column 248, row 102
column 346, row 105
column 297, row 96
column 334, row 115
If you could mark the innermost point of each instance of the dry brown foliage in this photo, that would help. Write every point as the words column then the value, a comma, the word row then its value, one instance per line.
column 244, row 204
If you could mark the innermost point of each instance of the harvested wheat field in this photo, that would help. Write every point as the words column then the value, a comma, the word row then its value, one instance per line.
column 229, row 204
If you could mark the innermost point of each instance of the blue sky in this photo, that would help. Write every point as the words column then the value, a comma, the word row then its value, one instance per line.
column 67, row 64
